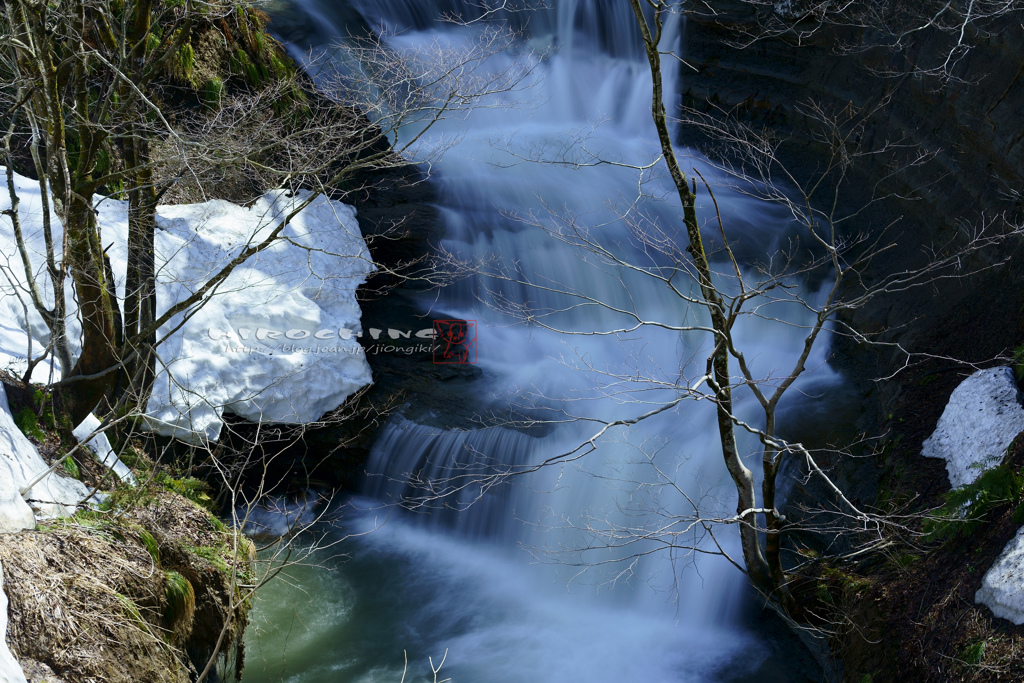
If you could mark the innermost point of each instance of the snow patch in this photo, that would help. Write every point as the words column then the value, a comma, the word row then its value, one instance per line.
column 276, row 341
column 982, row 417
column 99, row 444
column 280, row 515
column 15, row 514
column 53, row 496
column 10, row 669
column 1002, row 589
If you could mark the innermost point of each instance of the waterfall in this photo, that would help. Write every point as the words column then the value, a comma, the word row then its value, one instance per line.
column 500, row 618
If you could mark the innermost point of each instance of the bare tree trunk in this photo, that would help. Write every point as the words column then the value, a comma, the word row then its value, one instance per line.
column 73, row 190
column 743, row 478
column 140, row 285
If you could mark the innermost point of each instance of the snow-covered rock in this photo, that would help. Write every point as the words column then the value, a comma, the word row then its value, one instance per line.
column 982, row 417
column 54, row 495
column 99, row 444
column 276, row 341
column 1002, row 589
column 10, row 670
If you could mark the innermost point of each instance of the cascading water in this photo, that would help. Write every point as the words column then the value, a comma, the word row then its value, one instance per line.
column 455, row 579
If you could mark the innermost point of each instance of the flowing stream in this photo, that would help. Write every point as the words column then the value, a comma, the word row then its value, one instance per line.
column 518, row 587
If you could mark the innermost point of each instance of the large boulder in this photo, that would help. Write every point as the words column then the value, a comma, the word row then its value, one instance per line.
column 983, row 416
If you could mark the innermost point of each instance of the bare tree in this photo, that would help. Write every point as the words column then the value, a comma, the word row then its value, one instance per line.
column 825, row 269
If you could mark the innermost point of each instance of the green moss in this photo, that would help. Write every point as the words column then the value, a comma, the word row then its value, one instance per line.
column 213, row 91
column 217, row 524
column 255, row 74
column 181, row 601
column 131, row 610
column 150, row 544
column 186, row 60
column 215, row 556
column 904, row 560
column 1018, row 362
column 152, row 42
column 130, row 457
column 279, row 68
column 33, row 420
column 194, row 489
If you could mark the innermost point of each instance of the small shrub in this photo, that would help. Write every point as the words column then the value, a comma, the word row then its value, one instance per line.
column 28, row 423
column 966, row 507
column 71, row 467
column 973, row 653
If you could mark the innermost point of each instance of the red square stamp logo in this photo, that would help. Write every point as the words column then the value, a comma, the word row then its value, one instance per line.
column 455, row 342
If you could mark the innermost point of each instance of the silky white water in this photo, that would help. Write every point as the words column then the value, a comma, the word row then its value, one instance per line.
column 504, row 585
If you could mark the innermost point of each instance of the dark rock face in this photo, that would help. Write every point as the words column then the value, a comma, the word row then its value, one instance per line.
column 973, row 129
column 970, row 127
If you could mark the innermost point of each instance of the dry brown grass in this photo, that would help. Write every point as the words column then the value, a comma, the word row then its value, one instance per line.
column 87, row 605
column 89, row 600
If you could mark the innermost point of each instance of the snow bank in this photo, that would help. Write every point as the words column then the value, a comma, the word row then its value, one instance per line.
column 1002, row 589
column 10, row 670
column 276, row 342
column 54, row 495
column 982, row 417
